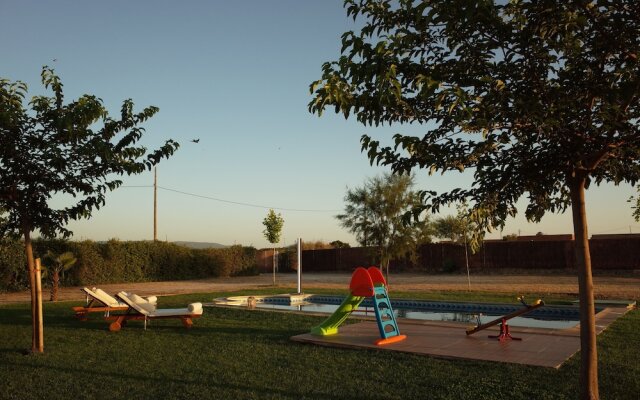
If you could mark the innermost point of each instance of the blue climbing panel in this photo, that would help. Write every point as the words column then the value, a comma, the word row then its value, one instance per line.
column 384, row 313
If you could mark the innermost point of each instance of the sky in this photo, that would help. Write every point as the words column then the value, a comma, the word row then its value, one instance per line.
column 236, row 76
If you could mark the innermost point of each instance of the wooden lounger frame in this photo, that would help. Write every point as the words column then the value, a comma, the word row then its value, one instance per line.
column 81, row 312
column 133, row 314
column 121, row 319
column 94, row 305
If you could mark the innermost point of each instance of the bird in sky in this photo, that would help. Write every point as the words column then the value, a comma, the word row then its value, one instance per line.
column 195, row 140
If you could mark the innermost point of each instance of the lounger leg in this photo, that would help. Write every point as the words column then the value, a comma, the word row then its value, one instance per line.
column 187, row 322
column 81, row 315
column 117, row 324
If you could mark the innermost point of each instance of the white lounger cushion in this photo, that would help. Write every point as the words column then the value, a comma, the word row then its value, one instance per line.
column 170, row 312
column 146, row 304
column 109, row 301
column 103, row 297
column 164, row 312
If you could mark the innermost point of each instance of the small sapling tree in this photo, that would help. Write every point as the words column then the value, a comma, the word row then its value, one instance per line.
column 273, row 224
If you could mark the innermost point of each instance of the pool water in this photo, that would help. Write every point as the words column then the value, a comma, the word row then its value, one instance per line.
column 549, row 317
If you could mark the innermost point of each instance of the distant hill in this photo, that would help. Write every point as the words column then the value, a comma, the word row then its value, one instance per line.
column 201, row 245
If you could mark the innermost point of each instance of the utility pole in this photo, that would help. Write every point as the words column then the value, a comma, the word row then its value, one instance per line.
column 155, row 204
column 299, row 268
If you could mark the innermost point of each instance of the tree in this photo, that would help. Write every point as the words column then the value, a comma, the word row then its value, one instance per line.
column 461, row 229
column 538, row 98
column 338, row 244
column 73, row 150
column 374, row 213
column 449, row 227
column 357, row 216
column 636, row 207
column 273, row 228
column 54, row 265
column 453, row 227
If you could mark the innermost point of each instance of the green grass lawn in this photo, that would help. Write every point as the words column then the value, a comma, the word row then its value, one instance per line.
column 241, row 354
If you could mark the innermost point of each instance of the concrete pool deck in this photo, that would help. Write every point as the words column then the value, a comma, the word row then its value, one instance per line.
column 539, row 347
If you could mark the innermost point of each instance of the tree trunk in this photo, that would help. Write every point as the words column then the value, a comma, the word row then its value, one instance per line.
column 39, row 306
column 384, row 263
column 55, row 283
column 466, row 260
column 588, row 349
column 274, row 266
column 31, row 269
column 386, row 278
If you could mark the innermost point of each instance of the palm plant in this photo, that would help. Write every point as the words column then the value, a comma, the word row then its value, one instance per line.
column 54, row 265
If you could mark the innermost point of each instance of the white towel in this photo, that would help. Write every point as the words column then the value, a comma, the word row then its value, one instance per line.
column 195, row 308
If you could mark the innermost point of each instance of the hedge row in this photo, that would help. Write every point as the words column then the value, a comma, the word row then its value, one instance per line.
column 117, row 262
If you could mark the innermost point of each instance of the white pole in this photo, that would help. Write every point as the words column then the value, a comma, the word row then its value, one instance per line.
column 299, row 240
column 155, row 204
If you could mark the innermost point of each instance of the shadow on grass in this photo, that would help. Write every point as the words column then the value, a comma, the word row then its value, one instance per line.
column 203, row 331
column 243, row 325
column 125, row 377
column 201, row 327
column 15, row 317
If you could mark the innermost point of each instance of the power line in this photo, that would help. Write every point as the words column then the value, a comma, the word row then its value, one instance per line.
column 239, row 203
column 242, row 203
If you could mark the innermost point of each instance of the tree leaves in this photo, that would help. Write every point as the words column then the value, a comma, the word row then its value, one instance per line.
column 273, row 224
column 379, row 214
column 61, row 148
column 636, row 205
column 523, row 93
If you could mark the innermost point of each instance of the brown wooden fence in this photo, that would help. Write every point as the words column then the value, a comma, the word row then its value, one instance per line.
column 621, row 253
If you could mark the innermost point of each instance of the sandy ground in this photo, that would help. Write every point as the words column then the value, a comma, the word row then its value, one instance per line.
column 625, row 287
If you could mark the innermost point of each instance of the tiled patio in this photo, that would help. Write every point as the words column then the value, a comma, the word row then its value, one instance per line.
column 539, row 347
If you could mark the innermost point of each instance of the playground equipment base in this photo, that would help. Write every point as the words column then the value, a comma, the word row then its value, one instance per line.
column 538, row 347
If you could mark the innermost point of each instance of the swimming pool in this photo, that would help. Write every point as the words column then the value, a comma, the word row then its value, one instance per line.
column 550, row 317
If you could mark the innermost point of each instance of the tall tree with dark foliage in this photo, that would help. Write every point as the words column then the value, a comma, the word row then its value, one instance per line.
column 538, row 99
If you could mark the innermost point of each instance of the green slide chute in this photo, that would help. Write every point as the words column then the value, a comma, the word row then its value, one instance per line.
column 331, row 324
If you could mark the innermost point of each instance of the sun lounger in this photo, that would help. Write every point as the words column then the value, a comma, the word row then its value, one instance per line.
column 100, row 301
column 146, row 312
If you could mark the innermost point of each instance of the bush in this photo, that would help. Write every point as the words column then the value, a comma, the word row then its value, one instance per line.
column 232, row 261
column 91, row 266
column 167, row 261
column 288, row 259
column 315, row 245
column 13, row 266
column 449, row 266
column 118, row 262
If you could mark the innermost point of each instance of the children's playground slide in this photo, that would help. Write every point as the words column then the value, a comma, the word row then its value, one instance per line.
column 365, row 283
column 331, row 324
